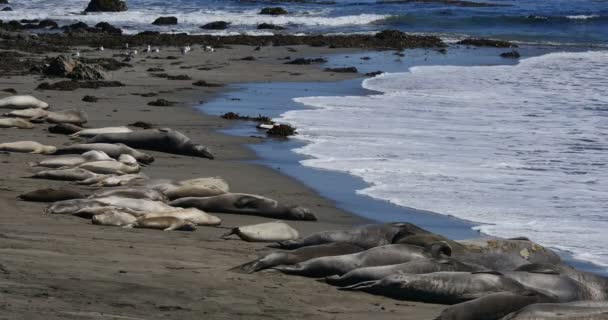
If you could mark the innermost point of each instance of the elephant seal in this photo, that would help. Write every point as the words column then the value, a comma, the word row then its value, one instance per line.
column 241, row 203
column 71, row 206
column 144, row 205
column 113, row 218
column 133, row 193
column 33, row 113
column 199, row 187
column 561, row 287
column 439, row 287
column 295, row 256
column 264, row 232
column 89, row 133
column 378, row 256
column 72, row 174
column 493, row 306
column 22, row 102
column 125, row 165
column 15, row 123
column 27, row 147
column 90, row 211
column 50, row 195
column 414, row 267
column 164, row 140
column 113, row 180
column 365, row 236
column 163, row 223
column 196, row 216
column 64, row 128
column 112, row 150
column 577, row 310
column 71, row 160
column 77, row 117
column 517, row 248
column 426, row 239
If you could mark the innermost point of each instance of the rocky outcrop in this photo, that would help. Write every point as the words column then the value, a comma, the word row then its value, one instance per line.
column 216, row 25
column 60, row 66
column 161, row 21
column 66, row 66
column 487, row 43
column 84, row 71
column 106, row 6
column 108, row 28
column 274, row 11
column 342, row 70
column 511, row 55
column 304, row 61
column 3, row 1
column 269, row 26
column 7, row 9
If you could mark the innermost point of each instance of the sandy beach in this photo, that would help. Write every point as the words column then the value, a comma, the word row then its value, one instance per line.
column 63, row 267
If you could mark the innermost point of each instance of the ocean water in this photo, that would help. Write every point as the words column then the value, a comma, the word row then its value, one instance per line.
column 573, row 21
column 519, row 149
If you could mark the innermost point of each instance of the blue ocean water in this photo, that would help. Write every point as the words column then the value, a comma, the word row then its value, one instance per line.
column 562, row 21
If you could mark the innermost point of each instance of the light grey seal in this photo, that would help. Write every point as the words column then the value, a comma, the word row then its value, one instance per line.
column 128, row 192
column 112, row 150
column 577, row 310
column 493, row 306
column 72, row 174
column 241, row 203
column 365, row 236
column 378, row 256
column 198, row 187
column 113, row 218
column 71, row 160
column 77, row 117
column 164, row 140
column 89, row 133
column 27, row 147
column 51, row 195
column 264, row 232
column 198, row 217
column 295, row 256
column 15, row 123
column 22, row 102
column 126, row 164
column 163, row 223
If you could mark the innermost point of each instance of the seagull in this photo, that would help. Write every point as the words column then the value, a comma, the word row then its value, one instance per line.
column 186, row 49
column 209, row 49
column 148, row 49
column 156, row 50
column 127, row 45
column 101, row 48
column 133, row 53
column 76, row 55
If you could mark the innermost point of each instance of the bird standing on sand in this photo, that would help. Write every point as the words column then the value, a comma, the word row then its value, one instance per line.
column 101, row 48
column 127, row 46
column 186, row 49
column 76, row 54
column 148, row 49
column 156, row 50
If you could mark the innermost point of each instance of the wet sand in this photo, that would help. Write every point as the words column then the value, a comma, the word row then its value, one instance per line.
column 63, row 267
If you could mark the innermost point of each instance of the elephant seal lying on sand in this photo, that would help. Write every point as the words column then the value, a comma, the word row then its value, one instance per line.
column 199, row 187
column 113, row 180
column 15, row 123
column 493, row 306
column 27, row 147
column 164, row 140
column 365, row 236
column 264, row 232
column 73, row 174
column 163, row 223
column 126, row 164
column 518, row 249
column 77, row 117
column 114, row 218
column 241, row 203
column 133, row 193
column 298, row 255
column 193, row 215
column 22, row 102
column 71, row 160
column 378, row 256
column 577, row 310
column 112, row 150
column 89, row 133
column 50, row 195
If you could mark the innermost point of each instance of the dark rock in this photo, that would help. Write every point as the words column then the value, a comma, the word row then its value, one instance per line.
column 3, row 1
column 281, row 130
column 511, row 55
column 64, row 128
column 203, row 83
column 274, row 11
column 155, row 70
column 179, row 77
column 77, row 27
column 248, row 58
column 106, row 5
column 10, row 90
column 47, row 23
column 149, row 33
column 236, row 116
column 342, row 70
column 269, row 26
column 61, row 66
column 487, row 43
column 374, row 73
column 29, row 21
column 303, row 61
column 68, row 85
column 161, row 21
column 90, row 99
column 442, row 50
column 365, row 58
column 161, row 103
column 107, row 64
column 141, row 124
column 7, row 9
column 108, row 28
column 216, row 25
column 84, row 71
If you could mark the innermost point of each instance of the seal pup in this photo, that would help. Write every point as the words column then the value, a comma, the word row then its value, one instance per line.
column 113, row 218
column 163, row 223
column 365, row 236
column 493, row 306
column 22, row 102
column 196, row 216
column 50, row 195
column 113, row 180
column 439, row 287
column 72, row 174
column 112, row 150
column 126, row 164
column 414, row 267
column 89, row 133
column 199, row 187
column 378, row 256
column 133, row 193
column 163, row 140
column 71, row 160
column 27, row 147
column 35, row 114
column 15, row 123
column 241, row 203
column 295, row 256
column 577, row 310
column 77, row 117
column 264, row 232
column 64, row 128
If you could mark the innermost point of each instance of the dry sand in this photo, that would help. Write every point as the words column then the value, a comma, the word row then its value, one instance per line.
column 63, row 267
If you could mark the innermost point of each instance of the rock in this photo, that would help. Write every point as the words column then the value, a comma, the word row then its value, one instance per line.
column 511, row 55
column 107, row 64
column 161, row 103
column 487, row 43
column 269, row 26
column 61, row 66
column 106, row 5
column 108, row 28
column 342, row 70
column 203, row 83
column 374, row 73
column 29, row 21
column 281, row 130
column 76, row 27
column 7, row 9
column 90, row 99
column 165, row 21
column 84, row 71
column 236, row 116
column 274, row 11
column 47, row 23
column 149, row 33
column 68, row 85
column 216, row 25
column 3, row 1
column 248, row 58
column 303, row 61
column 388, row 35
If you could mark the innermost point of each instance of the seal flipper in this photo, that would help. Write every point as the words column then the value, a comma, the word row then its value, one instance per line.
column 290, row 269
column 229, row 233
column 249, row 267
column 359, row 286
column 542, row 268
column 247, row 202
column 286, row 245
